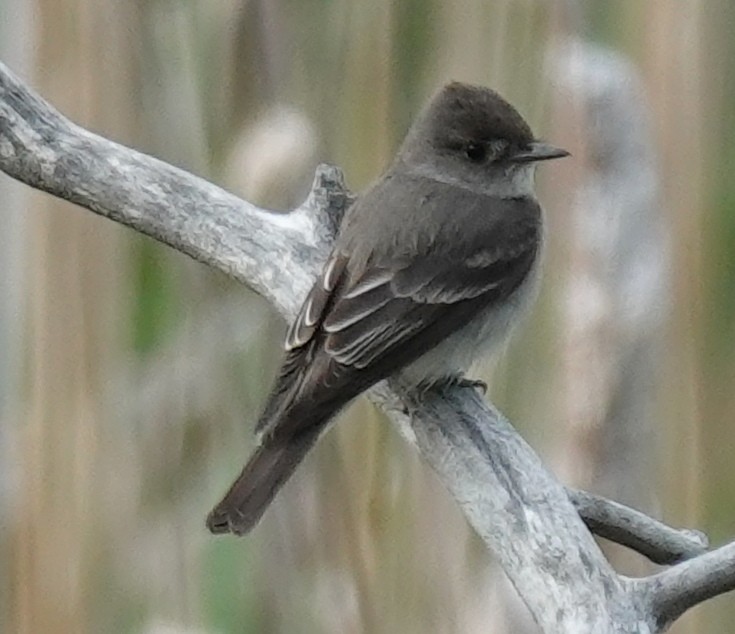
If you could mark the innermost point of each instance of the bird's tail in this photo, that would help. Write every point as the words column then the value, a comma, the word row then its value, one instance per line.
column 272, row 464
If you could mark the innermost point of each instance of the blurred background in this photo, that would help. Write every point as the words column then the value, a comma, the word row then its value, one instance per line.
column 130, row 376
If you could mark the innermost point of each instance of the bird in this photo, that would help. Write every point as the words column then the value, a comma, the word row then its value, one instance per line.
column 431, row 268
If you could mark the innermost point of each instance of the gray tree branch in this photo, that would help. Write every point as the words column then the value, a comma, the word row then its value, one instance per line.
column 524, row 515
column 675, row 590
column 618, row 523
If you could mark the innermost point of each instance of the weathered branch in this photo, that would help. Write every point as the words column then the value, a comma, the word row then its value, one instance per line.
column 41, row 148
column 628, row 527
column 673, row 591
column 518, row 508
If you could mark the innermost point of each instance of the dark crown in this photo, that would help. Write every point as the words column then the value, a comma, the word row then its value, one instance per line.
column 462, row 111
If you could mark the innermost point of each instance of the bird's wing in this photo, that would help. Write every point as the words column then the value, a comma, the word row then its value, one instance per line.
column 356, row 327
column 414, row 306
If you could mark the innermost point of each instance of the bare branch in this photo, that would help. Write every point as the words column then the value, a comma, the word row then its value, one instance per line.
column 523, row 515
column 673, row 591
column 628, row 527
column 41, row 148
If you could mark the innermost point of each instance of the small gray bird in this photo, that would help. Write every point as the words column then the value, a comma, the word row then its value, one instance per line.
column 431, row 267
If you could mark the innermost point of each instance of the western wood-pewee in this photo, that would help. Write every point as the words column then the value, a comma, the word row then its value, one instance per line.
column 431, row 267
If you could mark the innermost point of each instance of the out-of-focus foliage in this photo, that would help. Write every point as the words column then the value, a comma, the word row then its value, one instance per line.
column 130, row 377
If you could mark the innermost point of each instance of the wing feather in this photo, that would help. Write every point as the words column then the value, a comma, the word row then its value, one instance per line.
column 352, row 307
column 312, row 311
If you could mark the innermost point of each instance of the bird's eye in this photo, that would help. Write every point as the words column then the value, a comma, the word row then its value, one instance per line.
column 476, row 152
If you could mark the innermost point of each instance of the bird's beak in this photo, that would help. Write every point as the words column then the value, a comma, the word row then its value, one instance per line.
column 538, row 151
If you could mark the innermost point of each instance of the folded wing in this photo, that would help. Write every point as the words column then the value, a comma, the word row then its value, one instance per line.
column 360, row 324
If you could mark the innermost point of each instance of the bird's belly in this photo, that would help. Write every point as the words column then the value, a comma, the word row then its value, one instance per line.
column 483, row 337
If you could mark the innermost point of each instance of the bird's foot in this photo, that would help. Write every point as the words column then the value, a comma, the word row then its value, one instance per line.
column 462, row 381
column 476, row 384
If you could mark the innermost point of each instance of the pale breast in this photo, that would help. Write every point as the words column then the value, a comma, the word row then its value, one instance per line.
column 485, row 336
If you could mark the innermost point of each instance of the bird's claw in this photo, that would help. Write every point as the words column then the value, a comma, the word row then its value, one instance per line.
column 476, row 384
